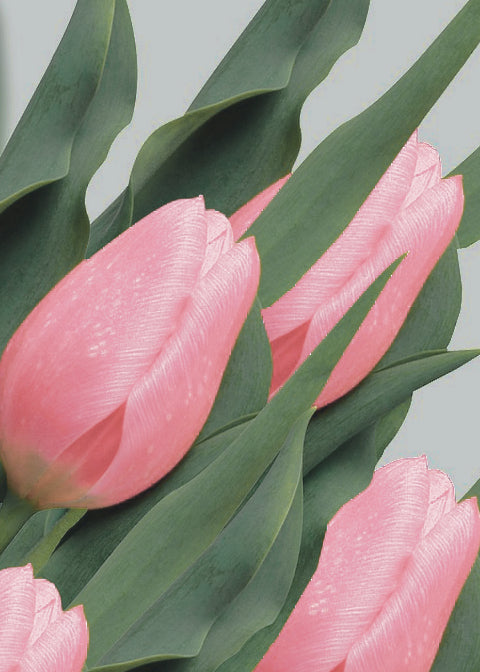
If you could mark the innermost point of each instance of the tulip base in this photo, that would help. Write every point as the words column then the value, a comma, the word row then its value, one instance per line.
column 14, row 513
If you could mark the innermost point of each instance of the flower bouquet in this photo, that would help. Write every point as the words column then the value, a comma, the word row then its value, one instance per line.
column 197, row 386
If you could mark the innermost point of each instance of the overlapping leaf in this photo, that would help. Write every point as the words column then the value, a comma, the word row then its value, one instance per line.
column 469, row 231
column 379, row 393
column 338, row 479
column 460, row 646
column 324, row 193
column 148, row 560
column 242, row 132
column 84, row 99
column 177, row 624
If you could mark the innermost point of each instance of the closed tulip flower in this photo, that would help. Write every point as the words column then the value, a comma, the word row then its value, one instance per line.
column 108, row 381
column 35, row 634
column 411, row 210
column 393, row 562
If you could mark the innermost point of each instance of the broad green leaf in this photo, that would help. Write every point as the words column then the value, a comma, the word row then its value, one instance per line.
column 460, row 646
column 246, row 381
column 242, row 132
column 324, row 193
column 148, row 559
column 177, row 624
column 83, row 101
column 379, row 393
column 429, row 326
column 31, row 534
column 469, row 231
column 339, row 478
column 81, row 554
column 256, row 607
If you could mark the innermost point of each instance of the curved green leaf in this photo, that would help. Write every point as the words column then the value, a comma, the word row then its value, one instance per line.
column 96, row 537
column 324, row 193
column 176, row 625
column 242, row 132
column 257, row 606
column 379, row 393
column 460, row 646
column 84, row 99
column 469, row 231
column 339, row 478
column 190, row 518
column 246, row 381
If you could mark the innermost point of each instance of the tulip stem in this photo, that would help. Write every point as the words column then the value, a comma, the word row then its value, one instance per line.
column 14, row 513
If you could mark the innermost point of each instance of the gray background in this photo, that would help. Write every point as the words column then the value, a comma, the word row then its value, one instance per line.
column 180, row 43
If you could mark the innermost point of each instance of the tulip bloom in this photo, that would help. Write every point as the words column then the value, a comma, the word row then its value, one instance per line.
column 35, row 634
column 108, row 381
column 411, row 210
column 393, row 562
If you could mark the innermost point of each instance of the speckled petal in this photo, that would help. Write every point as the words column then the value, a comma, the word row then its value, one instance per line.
column 406, row 635
column 62, row 647
column 77, row 355
column 365, row 550
column 167, row 408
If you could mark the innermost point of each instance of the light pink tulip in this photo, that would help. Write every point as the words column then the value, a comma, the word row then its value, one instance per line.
column 393, row 562
column 35, row 634
column 108, row 381
column 410, row 210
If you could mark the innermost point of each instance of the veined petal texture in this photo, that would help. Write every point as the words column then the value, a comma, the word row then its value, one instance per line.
column 93, row 351
column 35, row 634
column 393, row 562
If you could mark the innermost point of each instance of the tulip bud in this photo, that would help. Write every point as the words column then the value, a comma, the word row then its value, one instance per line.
column 393, row 562
column 411, row 210
column 35, row 634
column 108, row 381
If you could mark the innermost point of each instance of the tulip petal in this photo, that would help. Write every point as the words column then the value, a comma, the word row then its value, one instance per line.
column 73, row 361
column 442, row 499
column 77, row 468
column 17, row 607
column 169, row 405
column 243, row 218
column 62, row 647
column 406, row 635
column 335, row 267
column 424, row 229
column 48, row 608
column 364, row 553
column 428, row 172
column 219, row 239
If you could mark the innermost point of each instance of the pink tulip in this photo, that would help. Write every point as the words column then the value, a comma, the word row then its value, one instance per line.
column 108, row 381
column 35, row 634
column 410, row 210
column 393, row 562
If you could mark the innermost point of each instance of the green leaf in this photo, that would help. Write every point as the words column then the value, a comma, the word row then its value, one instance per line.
column 33, row 534
column 339, row 478
column 189, row 518
column 177, row 624
column 377, row 394
column 84, row 99
column 95, row 538
column 242, row 132
column 257, row 606
column 246, row 381
column 336, row 178
column 460, row 646
column 469, row 231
